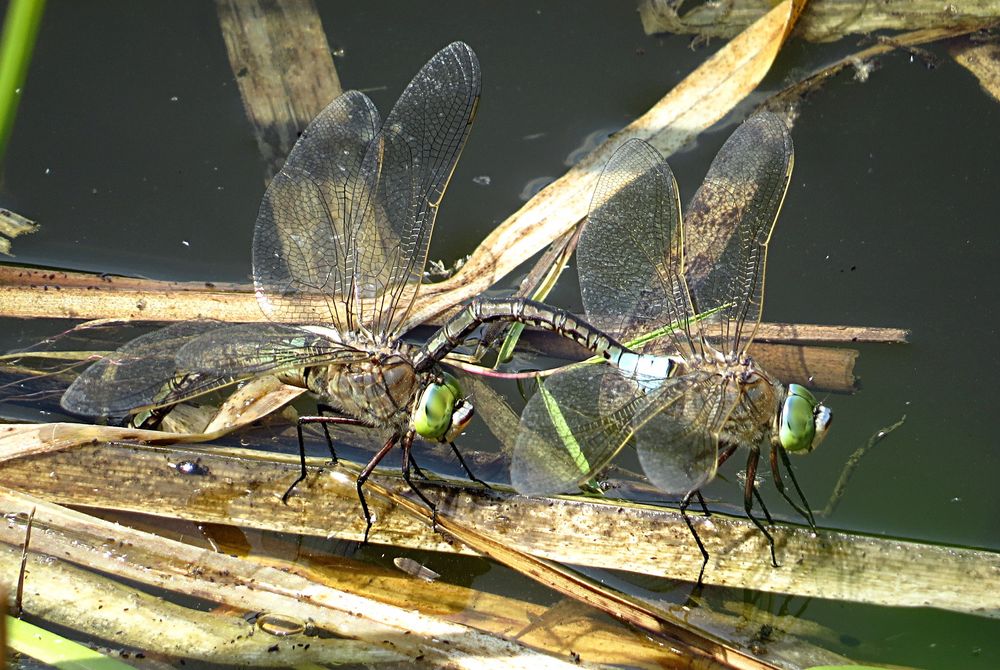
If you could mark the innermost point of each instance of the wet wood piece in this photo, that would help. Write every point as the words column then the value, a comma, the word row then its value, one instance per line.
column 30, row 293
column 800, row 333
column 81, row 600
column 244, row 488
column 13, row 225
column 253, row 587
column 283, row 67
column 161, row 626
column 822, row 21
column 660, row 623
column 823, row 368
column 565, row 628
column 567, row 581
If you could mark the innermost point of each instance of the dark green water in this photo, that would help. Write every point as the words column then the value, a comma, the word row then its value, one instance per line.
column 132, row 151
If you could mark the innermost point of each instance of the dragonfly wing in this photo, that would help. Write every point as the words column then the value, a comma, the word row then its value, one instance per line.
column 635, row 215
column 729, row 224
column 677, row 433
column 303, row 246
column 251, row 349
column 572, row 427
column 142, row 374
column 410, row 164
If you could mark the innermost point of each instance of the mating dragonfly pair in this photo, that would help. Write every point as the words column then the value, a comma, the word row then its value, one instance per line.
column 339, row 248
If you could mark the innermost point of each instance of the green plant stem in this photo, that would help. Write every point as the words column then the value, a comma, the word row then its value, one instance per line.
column 56, row 650
column 17, row 43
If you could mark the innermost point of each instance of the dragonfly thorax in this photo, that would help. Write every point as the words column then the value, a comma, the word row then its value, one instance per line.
column 759, row 401
column 385, row 391
column 379, row 390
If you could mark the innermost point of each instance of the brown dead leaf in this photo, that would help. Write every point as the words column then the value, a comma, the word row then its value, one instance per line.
column 255, row 400
column 983, row 61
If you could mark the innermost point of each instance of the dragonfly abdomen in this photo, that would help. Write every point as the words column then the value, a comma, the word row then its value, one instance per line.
column 647, row 366
column 517, row 310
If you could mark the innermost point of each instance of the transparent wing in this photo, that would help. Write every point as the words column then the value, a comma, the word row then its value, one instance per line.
column 572, row 427
column 579, row 420
column 305, row 235
column 678, row 441
column 251, row 349
column 142, row 374
column 410, row 164
column 189, row 359
column 729, row 224
column 630, row 252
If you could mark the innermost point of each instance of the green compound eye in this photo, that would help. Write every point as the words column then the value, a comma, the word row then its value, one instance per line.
column 798, row 427
column 451, row 381
column 802, row 392
column 432, row 417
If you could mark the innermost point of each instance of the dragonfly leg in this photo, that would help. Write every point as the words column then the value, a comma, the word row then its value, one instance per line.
column 725, row 454
column 302, row 464
column 805, row 511
column 685, row 503
column 323, row 410
column 365, row 473
column 407, row 443
column 416, row 468
column 322, row 420
column 763, row 507
column 461, row 461
column 749, row 492
column 701, row 502
column 152, row 420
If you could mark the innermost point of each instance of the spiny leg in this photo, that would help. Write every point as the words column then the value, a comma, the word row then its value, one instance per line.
column 749, row 491
column 416, row 468
column 323, row 420
column 366, row 473
column 685, row 503
column 325, row 409
column 152, row 420
column 701, row 502
column 725, row 454
column 763, row 507
column 723, row 457
column 461, row 461
column 805, row 511
column 407, row 444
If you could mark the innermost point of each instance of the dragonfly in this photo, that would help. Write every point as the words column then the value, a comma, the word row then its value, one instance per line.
column 340, row 243
column 689, row 399
column 339, row 247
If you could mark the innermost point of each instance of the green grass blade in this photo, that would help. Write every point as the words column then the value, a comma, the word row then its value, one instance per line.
column 17, row 43
column 564, row 431
column 55, row 650
column 506, row 351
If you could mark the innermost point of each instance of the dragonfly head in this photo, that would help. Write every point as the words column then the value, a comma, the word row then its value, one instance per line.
column 442, row 413
column 803, row 422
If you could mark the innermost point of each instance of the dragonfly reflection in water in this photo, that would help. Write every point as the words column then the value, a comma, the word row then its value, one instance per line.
column 689, row 399
column 340, row 243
